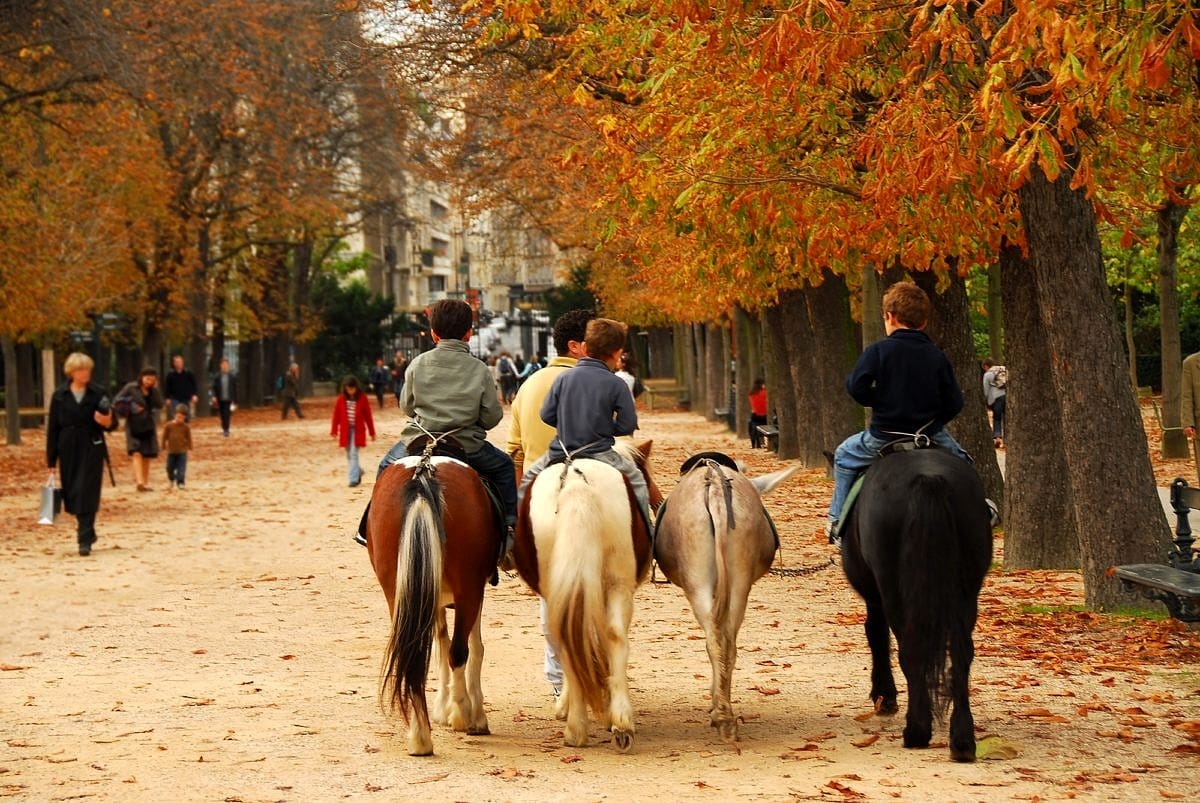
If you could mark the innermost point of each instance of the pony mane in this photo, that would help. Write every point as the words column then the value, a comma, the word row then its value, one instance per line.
column 627, row 449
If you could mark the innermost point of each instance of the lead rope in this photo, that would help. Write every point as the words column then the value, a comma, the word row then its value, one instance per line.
column 426, row 465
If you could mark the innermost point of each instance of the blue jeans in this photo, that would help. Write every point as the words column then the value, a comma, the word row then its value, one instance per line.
column 177, row 467
column 858, row 452
column 489, row 462
column 356, row 471
column 998, row 409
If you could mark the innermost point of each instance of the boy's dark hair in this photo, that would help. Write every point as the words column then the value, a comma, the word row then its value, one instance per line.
column 909, row 304
column 147, row 371
column 350, row 381
column 988, row 364
column 451, row 318
column 571, row 326
column 759, row 384
column 605, row 337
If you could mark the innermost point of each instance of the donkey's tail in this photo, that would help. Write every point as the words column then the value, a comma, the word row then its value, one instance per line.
column 418, row 586
column 574, row 591
column 932, row 584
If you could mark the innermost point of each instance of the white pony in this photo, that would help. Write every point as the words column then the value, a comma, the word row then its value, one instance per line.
column 714, row 540
column 592, row 552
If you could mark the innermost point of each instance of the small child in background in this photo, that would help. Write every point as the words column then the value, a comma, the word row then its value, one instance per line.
column 758, row 411
column 351, row 422
column 177, row 442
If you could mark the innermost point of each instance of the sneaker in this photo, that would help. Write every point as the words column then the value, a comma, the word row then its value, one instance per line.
column 85, row 550
column 556, row 691
column 993, row 512
column 832, row 534
column 360, row 539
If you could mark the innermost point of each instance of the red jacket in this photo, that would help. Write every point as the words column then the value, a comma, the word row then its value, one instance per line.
column 363, row 423
column 758, row 402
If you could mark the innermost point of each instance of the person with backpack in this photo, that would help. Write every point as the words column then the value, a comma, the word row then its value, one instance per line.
column 506, row 369
column 380, row 379
column 995, row 391
column 138, row 403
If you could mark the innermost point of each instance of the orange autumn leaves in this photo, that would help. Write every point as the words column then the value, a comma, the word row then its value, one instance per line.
column 751, row 145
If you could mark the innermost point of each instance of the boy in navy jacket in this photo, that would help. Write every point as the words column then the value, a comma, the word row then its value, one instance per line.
column 908, row 383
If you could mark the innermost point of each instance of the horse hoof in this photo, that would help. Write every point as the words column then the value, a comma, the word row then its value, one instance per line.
column 479, row 730
column 575, row 741
column 916, row 740
column 623, row 740
column 964, row 756
column 886, row 706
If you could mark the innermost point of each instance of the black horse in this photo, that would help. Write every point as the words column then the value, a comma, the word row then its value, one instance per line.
column 916, row 548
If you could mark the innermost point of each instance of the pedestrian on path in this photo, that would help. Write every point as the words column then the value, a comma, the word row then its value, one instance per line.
column 995, row 391
column 380, row 378
column 180, row 387
column 139, row 402
column 224, row 391
column 1189, row 401
column 177, row 442
column 80, row 414
column 758, row 411
column 291, row 392
column 351, row 422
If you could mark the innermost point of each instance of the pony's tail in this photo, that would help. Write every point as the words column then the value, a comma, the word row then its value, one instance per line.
column 722, row 541
column 575, row 593
column 931, row 584
column 418, row 586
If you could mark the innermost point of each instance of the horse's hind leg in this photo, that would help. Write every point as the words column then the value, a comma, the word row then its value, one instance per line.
column 479, row 723
column 620, row 615
column 918, row 725
column 962, row 724
column 883, row 682
column 466, row 614
column 441, row 659
column 420, row 740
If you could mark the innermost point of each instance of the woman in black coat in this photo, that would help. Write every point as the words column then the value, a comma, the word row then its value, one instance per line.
column 80, row 414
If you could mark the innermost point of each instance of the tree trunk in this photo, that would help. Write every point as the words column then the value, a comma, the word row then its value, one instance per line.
column 50, row 374
column 1105, row 444
column 12, row 399
column 251, row 383
column 872, row 303
column 802, row 420
column 835, row 348
column 660, row 354
column 995, row 313
column 1170, row 218
column 1130, row 343
column 714, row 370
column 681, row 338
column 698, row 392
column 780, row 393
column 27, row 375
column 749, row 366
column 950, row 328
column 1039, row 518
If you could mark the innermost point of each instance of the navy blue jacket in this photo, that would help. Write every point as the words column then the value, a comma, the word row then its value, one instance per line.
column 589, row 405
column 907, row 382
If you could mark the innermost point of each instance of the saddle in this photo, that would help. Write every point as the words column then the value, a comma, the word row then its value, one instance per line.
column 710, row 461
column 904, row 443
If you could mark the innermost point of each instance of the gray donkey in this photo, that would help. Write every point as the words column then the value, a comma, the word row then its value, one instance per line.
column 714, row 539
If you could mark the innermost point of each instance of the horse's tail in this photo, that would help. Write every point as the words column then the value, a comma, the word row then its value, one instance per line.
column 722, row 537
column 931, row 584
column 574, row 589
column 418, row 586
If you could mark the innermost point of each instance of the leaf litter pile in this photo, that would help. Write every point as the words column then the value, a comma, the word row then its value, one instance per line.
column 235, row 626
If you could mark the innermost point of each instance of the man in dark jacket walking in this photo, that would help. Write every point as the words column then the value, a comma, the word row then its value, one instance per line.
column 180, row 387
column 224, row 390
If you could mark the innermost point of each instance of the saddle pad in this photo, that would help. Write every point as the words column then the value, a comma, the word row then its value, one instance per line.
column 851, row 498
column 412, row 461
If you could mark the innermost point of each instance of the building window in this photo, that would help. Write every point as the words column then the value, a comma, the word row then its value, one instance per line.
column 437, row 212
column 437, row 284
column 441, row 247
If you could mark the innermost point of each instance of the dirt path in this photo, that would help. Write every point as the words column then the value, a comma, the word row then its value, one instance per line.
column 223, row 643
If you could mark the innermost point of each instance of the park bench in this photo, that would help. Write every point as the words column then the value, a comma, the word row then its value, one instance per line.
column 31, row 417
column 1177, row 584
column 771, row 433
column 726, row 414
column 680, row 394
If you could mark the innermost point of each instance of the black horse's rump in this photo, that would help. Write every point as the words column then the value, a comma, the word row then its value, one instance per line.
column 916, row 549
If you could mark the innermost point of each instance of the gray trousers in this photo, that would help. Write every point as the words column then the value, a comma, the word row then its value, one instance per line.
column 610, row 456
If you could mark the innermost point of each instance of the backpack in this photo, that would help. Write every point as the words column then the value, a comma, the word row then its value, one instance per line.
column 279, row 382
column 1000, row 377
column 506, row 367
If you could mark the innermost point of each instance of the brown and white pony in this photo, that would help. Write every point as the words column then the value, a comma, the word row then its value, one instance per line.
column 582, row 546
column 714, row 540
column 430, row 556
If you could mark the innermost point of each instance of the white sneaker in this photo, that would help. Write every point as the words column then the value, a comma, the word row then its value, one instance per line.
column 993, row 511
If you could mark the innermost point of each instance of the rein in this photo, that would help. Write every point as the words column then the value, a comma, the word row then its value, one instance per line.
column 569, row 464
column 426, row 466
column 711, row 468
column 919, row 438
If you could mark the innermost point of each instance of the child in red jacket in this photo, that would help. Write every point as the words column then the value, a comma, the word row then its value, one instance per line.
column 351, row 422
